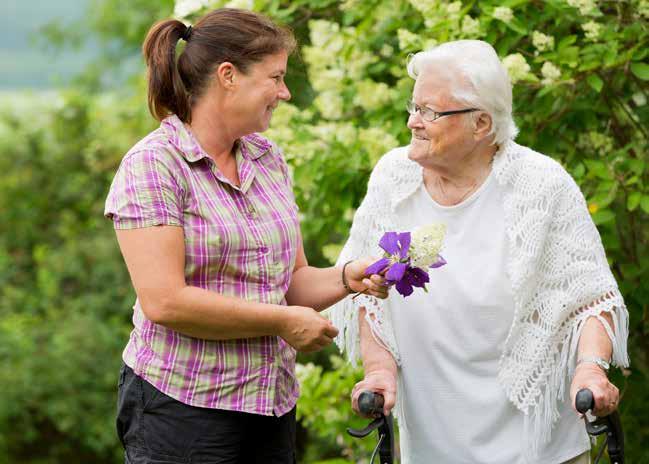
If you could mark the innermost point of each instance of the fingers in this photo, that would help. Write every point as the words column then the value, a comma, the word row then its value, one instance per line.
column 605, row 394
column 381, row 382
column 376, row 286
column 331, row 331
column 606, row 400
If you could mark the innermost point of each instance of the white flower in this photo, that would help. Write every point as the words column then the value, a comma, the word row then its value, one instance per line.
column 592, row 30
column 470, row 26
column 358, row 61
column 325, row 34
column 371, row 95
column 542, row 42
column 596, row 142
column 425, row 245
column 424, row 6
column 586, row 7
column 408, row 41
column 330, row 105
column 505, row 14
column 516, row 67
column 550, row 73
column 376, row 142
column 429, row 43
column 304, row 371
column 241, row 4
column 387, row 51
column 639, row 99
column 184, row 8
column 454, row 8
column 643, row 8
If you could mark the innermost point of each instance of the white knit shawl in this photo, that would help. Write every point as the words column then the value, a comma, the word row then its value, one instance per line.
column 557, row 266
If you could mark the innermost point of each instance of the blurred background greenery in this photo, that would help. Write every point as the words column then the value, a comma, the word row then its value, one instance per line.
column 581, row 72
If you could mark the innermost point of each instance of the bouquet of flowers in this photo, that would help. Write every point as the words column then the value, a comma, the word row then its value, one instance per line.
column 408, row 256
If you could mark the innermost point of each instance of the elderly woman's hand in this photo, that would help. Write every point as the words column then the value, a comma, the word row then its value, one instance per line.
column 382, row 381
column 605, row 394
column 373, row 285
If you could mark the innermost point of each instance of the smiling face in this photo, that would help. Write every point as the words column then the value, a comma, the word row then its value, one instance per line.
column 256, row 93
column 449, row 140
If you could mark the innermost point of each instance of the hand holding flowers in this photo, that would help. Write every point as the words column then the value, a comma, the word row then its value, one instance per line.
column 360, row 281
column 408, row 256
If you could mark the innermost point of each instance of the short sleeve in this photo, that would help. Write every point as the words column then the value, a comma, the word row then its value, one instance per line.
column 144, row 193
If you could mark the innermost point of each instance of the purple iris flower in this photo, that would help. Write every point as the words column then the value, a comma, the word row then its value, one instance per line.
column 396, row 264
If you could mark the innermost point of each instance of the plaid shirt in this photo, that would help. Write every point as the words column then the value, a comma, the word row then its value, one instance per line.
column 239, row 241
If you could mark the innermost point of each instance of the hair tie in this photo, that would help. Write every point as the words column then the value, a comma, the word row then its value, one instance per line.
column 187, row 34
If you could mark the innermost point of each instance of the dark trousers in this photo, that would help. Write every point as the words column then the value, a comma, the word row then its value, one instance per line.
column 157, row 429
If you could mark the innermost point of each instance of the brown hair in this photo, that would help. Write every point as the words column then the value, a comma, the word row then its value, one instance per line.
column 237, row 36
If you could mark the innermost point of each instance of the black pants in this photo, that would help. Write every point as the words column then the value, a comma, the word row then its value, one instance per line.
column 157, row 429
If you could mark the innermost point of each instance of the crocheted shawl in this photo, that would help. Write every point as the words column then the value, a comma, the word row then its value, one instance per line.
column 557, row 266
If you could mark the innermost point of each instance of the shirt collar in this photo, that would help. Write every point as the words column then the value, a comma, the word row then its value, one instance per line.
column 252, row 146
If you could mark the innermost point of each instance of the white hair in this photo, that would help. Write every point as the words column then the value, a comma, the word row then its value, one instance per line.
column 483, row 82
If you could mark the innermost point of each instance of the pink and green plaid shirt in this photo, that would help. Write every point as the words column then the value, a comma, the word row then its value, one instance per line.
column 239, row 241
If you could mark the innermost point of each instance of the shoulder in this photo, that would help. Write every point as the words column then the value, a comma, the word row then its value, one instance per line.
column 531, row 170
column 394, row 166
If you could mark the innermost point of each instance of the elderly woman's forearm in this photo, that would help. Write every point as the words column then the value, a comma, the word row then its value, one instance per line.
column 373, row 355
column 594, row 340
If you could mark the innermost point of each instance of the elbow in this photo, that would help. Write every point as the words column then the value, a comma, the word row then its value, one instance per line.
column 159, row 309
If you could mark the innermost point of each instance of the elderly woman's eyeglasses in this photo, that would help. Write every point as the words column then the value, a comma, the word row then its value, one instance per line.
column 430, row 115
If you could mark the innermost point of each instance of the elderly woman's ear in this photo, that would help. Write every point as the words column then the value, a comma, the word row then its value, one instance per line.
column 482, row 126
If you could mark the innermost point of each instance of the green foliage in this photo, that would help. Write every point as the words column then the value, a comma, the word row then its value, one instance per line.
column 324, row 410
column 580, row 95
column 65, row 293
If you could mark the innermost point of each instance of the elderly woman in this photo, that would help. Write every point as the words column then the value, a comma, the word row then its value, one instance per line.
column 479, row 365
column 207, row 223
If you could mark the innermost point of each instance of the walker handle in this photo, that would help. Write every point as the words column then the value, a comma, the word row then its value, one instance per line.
column 370, row 403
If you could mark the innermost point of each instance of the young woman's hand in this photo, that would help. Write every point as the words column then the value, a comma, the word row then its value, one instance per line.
column 373, row 285
column 306, row 330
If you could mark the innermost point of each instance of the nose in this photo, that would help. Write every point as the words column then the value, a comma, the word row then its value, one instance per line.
column 415, row 121
column 284, row 93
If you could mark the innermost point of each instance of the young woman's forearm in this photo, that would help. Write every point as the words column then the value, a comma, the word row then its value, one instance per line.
column 205, row 314
column 317, row 288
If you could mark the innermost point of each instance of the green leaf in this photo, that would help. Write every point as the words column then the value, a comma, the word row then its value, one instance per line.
column 569, row 56
column 599, row 169
column 603, row 216
column 644, row 203
column 633, row 201
column 595, row 82
column 566, row 41
column 637, row 166
column 517, row 26
column 641, row 70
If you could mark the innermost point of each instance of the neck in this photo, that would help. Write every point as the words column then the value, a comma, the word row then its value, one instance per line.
column 451, row 184
column 215, row 137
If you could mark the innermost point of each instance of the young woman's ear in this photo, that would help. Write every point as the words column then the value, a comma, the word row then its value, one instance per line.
column 225, row 74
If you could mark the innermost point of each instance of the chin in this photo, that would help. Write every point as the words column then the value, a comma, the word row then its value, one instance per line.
column 416, row 154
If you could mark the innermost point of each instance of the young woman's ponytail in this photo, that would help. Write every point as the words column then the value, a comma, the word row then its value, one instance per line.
column 167, row 92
